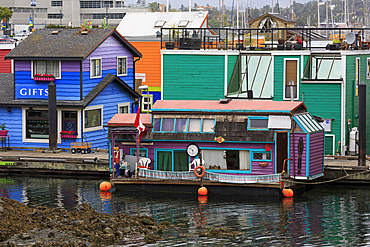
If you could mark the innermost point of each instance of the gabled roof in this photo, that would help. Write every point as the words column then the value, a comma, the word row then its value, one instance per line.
column 66, row 44
column 234, row 106
column 275, row 16
column 7, row 93
column 146, row 24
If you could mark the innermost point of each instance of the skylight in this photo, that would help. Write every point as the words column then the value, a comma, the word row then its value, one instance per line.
column 159, row 23
column 183, row 23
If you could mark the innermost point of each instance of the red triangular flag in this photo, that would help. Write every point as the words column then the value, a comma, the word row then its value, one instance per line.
column 139, row 126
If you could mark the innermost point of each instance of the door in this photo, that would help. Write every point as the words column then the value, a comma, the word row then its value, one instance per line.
column 281, row 151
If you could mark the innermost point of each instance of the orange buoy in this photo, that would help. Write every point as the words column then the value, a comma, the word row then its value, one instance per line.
column 202, row 191
column 203, row 170
column 104, row 186
column 202, row 199
column 288, row 192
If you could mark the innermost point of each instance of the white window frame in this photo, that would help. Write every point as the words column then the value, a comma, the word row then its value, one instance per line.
column 89, row 108
column 126, row 65
column 357, row 74
column 60, row 69
column 284, row 76
column 143, row 110
column 119, row 105
column 59, row 125
column 91, row 67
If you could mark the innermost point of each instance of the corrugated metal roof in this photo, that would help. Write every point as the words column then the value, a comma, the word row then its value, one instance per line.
column 136, row 24
column 263, row 106
column 307, row 123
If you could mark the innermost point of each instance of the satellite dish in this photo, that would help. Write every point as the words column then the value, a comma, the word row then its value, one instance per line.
column 350, row 38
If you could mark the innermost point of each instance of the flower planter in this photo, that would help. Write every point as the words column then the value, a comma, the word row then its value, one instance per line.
column 68, row 136
column 44, row 78
column 4, row 132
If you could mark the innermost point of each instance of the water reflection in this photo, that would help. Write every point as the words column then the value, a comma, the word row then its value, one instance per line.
column 326, row 215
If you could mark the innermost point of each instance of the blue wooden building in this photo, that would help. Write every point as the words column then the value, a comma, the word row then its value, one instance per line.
column 93, row 71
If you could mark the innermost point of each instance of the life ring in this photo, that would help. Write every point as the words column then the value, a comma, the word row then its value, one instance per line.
column 203, row 171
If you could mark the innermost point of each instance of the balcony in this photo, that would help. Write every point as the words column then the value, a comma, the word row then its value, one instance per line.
column 265, row 39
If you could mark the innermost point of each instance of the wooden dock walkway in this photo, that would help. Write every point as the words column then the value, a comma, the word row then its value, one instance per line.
column 37, row 162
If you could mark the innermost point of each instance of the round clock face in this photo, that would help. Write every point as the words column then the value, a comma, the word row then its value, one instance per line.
column 192, row 150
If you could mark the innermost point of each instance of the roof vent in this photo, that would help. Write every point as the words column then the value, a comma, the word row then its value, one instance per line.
column 54, row 32
column 84, row 32
column 224, row 101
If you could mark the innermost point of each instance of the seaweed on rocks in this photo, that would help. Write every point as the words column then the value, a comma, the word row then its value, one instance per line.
column 83, row 226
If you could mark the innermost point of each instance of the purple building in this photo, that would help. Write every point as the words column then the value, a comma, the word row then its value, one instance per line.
column 240, row 141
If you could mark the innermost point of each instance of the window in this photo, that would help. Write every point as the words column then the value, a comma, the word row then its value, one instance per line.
column 93, row 116
column 124, row 108
column 219, row 159
column 47, row 67
column 167, row 124
column 95, row 4
column 260, row 123
column 121, row 66
column 261, row 156
column 181, row 124
column 104, row 15
column 56, row 3
column 157, row 124
column 253, row 72
column 143, row 152
column 357, row 81
column 183, row 23
column 291, row 79
column 37, row 124
column 95, row 67
column 146, row 102
column 208, row 125
column 323, row 67
column 69, row 121
column 55, row 16
column 368, row 69
column 184, row 125
column 172, row 160
column 194, row 125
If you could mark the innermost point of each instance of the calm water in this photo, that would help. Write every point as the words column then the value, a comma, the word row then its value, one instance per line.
column 324, row 216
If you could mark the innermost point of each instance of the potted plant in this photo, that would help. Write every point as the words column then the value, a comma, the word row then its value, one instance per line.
column 3, row 132
column 336, row 44
column 68, row 134
column 43, row 77
column 281, row 44
column 298, row 45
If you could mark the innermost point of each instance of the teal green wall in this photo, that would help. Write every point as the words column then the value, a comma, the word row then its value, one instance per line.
column 315, row 96
column 195, row 77
column 351, row 98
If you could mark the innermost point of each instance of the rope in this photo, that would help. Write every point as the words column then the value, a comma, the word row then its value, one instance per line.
column 329, row 181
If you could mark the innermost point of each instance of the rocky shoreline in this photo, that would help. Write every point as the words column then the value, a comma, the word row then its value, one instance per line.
column 43, row 226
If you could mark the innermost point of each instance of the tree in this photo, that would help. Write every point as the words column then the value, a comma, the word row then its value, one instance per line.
column 154, row 6
column 5, row 13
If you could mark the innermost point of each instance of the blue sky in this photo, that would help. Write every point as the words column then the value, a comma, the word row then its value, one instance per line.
column 215, row 3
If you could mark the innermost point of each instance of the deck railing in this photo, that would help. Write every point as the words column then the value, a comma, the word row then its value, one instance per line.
column 264, row 39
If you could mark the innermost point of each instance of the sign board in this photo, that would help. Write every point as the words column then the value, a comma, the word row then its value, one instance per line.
column 326, row 125
column 6, row 163
column 32, row 92
column 141, row 76
column 69, row 125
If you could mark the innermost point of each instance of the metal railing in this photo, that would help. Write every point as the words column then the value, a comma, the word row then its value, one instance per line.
column 264, row 39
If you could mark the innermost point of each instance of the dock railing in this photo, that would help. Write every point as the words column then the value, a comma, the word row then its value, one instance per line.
column 264, row 39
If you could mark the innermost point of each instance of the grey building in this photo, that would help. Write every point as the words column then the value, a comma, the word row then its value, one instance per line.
column 68, row 12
